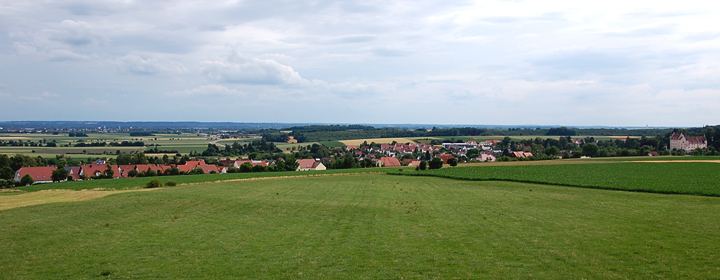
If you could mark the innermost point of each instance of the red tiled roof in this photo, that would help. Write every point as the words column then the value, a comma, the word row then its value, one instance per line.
column 145, row 167
column 90, row 170
column 390, row 161
column 695, row 139
column 307, row 163
column 74, row 173
column 445, row 157
column 195, row 162
column 407, row 160
column 40, row 173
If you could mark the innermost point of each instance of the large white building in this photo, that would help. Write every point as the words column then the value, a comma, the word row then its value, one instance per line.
column 687, row 143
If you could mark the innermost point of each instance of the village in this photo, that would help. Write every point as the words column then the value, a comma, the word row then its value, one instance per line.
column 367, row 155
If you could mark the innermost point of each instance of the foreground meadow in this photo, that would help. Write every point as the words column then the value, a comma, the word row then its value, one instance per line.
column 366, row 226
column 698, row 178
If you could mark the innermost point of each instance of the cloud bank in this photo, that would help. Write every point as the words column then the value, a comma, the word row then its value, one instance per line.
column 614, row 63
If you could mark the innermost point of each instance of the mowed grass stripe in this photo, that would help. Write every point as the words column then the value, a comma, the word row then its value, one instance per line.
column 697, row 178
column 366, row 226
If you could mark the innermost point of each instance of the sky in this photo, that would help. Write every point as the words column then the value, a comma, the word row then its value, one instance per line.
column 551, row 62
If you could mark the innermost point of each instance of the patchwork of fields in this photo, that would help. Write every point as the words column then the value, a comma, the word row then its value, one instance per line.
column 366, row 226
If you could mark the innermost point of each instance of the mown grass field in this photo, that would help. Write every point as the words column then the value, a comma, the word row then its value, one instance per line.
column 366, row 226
column 697, row 178
column 134, row 183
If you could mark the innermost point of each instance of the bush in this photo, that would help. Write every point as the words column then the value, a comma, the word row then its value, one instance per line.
column 423, row 165
column 5, row 183
column 27, row 180
column 452, row 161
column 155, row 183
column 170, row 183
column 435, row 163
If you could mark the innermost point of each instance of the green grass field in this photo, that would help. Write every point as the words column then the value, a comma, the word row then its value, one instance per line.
column 134, row 183
column 698, row 178
column 366, row 226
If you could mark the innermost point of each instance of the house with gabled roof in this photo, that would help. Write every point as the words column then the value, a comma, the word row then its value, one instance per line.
column 390, row 161
column 91, row 170
column 41, row 174
column 309, row 164
column 687, row 143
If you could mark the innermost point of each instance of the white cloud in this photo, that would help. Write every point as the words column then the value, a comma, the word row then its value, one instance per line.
column 5, row 94
column 240, row 69
column 73, row 33
column 151, row 66
column 512, row 55
column 207, row 90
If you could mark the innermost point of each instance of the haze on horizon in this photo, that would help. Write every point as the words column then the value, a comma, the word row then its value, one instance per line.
column 610, row 63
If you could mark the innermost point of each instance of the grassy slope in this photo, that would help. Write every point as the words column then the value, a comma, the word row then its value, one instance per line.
column 697, row 178
column 131, row 183
column 369, row 226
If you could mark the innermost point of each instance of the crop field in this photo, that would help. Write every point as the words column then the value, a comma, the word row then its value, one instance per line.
column 184, row 143
column 358, row 142
column 698, row 178
column 365, row 226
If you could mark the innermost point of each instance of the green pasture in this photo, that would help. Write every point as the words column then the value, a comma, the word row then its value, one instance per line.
column 366, row 226
column 134, row 183
column 698, row 178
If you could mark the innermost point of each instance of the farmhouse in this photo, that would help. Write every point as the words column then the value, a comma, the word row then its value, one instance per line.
column 309, row 164
column 91, row 170
column 485, row 157
column 687, row 143
column 41, row 174
column 389, row 161
column 445, row 157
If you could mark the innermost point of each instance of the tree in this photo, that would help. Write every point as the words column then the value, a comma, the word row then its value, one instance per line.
column 452, row 161
column 246, row 167
column 435, row 163
column 291, row 164
column 552, row 150
column 59, row 174
column 258, row 168
column 109, row 173
column 133, row 173
column 423, row 165
column 590, row 149
column 6, row 173
column 27, row 180
column 150, row 172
